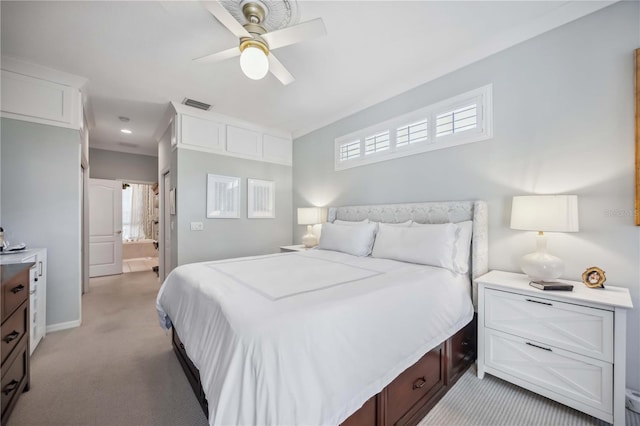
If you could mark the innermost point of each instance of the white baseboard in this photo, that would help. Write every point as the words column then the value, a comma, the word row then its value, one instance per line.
column 63, row 326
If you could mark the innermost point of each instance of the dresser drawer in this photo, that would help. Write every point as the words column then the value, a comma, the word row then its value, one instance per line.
column 13, row 330
column 13, row 380
column 588, row 331
column 14, row 292
column 565, row 376
column 413, row 384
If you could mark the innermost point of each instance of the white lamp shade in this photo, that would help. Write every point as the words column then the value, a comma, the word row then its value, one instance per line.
column 551, row 213
column 311, row 215
column 254, row 63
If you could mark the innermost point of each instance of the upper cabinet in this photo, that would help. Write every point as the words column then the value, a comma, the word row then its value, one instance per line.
column 211, row 132
column 41, row 95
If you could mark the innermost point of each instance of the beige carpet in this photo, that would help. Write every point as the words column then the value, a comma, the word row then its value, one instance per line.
column 118, row 368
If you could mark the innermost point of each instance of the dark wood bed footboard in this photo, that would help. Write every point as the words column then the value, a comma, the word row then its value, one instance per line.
column 407, row 399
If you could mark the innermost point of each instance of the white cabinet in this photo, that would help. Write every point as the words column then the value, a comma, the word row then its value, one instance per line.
column 41, row 95
column 202, row 133
column 567, row 346
column 38, row 294
column 211, row 132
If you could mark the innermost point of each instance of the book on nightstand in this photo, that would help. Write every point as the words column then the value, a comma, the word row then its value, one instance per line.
column 552, row 285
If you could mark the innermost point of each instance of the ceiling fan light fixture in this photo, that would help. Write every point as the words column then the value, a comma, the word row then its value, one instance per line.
column 253, row 59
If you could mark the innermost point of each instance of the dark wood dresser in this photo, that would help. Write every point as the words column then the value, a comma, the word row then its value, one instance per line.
column 14, row 307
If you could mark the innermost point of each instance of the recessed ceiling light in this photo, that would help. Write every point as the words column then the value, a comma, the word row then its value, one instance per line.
column 126, row 131
column 124, row 119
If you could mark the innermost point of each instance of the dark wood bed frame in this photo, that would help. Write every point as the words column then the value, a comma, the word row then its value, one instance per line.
column 407, row 399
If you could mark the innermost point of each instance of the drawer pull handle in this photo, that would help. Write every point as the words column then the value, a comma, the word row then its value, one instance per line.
column 11, row 336
column 537, row 301
column 10, row 387
column 419, row 383
column 539, row 347
column 181, row 346
column 17, row 289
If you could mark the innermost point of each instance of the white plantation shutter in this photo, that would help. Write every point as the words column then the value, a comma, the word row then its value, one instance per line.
column 457, row 120
column 349, row 150
column 376, row 143
column 412, row 133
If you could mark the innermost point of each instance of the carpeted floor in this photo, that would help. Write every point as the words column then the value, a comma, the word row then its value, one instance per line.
column 118, row 368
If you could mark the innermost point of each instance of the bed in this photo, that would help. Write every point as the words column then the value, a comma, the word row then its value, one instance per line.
column 325, row 337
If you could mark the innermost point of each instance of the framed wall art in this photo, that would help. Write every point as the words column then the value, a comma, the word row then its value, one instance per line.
column 223, row 197
column 260, row 199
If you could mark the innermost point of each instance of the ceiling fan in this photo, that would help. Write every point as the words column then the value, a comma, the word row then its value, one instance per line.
column 256, row 43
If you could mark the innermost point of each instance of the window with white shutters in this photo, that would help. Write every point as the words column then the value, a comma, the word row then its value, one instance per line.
column 461, row 119
column 350, row 150
column 376, row 143
column 457, row 120
column 412, row 133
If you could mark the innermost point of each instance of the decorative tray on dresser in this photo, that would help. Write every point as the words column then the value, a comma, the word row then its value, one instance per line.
column 14, row 307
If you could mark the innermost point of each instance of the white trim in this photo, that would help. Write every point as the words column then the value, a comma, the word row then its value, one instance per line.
column 38, row 71
column 484, row 130
column 63, row 326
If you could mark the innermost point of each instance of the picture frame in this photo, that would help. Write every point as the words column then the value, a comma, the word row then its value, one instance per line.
column 172, row 201
column 593, row 277
column 223, row 197
column 260, row 199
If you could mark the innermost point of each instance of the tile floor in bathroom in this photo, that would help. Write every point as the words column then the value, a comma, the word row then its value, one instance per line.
column 139, row 264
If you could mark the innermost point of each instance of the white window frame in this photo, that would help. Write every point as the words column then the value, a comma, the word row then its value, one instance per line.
column 482, row 96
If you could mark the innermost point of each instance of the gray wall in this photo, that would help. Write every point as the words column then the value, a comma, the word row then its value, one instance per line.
column 225, row 238
column 122, row 166
column 41, row 205
column 563, row 123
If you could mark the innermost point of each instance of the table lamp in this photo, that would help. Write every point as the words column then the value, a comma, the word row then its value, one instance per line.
column 311, row 216
column 550, row 213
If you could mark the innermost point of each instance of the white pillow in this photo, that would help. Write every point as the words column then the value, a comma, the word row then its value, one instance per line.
column 355, row 240
column 427, row 245
column 462, row 244
column 407, row 223
column 350, row 222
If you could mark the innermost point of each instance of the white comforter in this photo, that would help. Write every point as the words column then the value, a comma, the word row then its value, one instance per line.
column 307, row 337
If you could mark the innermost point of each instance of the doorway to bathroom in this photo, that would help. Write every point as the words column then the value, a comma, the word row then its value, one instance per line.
column 139, row 227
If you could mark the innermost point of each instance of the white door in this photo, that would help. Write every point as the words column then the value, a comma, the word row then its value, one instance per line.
column 166, row 225
column 105, row 227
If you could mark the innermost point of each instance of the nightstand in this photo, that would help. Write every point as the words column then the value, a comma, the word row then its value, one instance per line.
column 567, row 346
column 299, row 247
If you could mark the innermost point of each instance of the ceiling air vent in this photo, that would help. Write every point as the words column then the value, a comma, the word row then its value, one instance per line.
column 196, row 104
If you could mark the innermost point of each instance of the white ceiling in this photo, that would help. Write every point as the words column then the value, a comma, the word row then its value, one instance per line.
column 137, row 56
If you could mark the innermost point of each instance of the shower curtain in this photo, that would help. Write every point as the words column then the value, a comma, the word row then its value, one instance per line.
column 137, row 212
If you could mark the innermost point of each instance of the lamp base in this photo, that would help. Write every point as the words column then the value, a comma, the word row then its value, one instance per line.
column 542, row 266
column 309, row 239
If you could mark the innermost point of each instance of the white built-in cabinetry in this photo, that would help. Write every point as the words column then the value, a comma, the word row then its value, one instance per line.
column 38, row 291
column 41, row 95
column 220, row 134
column 567, row 346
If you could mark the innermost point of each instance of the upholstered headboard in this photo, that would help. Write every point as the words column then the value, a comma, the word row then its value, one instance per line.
column 431, row 212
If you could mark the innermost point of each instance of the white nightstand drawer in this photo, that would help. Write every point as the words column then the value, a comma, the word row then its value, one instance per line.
column 576, row 328
column 561, row 375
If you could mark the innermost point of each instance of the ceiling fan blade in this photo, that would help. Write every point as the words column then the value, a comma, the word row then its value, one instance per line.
column 225, row 18
column 295, row 34
column 219, row 56
column 279, row 71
